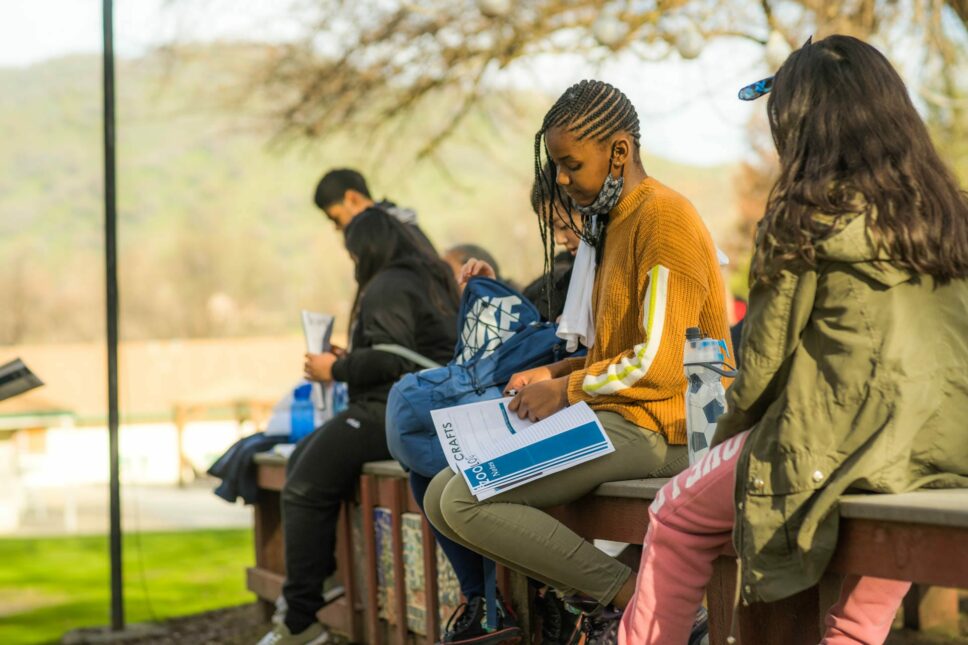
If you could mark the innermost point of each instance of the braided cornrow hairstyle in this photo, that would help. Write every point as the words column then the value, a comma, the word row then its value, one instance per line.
column 590, row 110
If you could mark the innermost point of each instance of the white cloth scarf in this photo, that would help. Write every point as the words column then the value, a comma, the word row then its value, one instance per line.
column 577, row 323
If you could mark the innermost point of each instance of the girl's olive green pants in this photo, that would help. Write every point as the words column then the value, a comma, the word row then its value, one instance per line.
column 512, row 529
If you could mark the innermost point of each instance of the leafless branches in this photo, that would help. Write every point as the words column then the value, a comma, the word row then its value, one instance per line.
column 364, row 65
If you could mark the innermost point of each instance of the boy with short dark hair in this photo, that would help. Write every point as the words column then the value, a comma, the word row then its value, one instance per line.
column 343, row 194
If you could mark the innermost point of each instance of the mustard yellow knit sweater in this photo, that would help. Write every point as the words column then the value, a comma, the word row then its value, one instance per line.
column 659, row 276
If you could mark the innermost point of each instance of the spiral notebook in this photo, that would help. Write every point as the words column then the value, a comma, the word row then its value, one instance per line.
column 496, row 451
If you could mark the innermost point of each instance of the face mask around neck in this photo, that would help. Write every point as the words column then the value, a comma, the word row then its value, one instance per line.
column 607, row 197
column 595, row 214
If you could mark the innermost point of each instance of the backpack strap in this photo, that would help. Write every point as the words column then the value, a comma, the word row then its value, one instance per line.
column 409, row 354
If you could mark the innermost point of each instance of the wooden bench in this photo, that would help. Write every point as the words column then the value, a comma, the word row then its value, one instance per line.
column 266, row 577
column 921, row 536
column 356, row 614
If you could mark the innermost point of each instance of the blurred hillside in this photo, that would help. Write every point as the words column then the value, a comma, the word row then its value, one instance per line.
column 217, row 232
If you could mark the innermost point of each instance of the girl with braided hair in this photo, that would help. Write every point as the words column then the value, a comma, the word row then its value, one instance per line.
column 657, row 274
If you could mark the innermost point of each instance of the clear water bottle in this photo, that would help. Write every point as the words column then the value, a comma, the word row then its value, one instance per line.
column 302, row 414
column 705, row 365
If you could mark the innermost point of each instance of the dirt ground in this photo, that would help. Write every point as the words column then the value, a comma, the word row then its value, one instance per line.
column 245, row 624
column 242, row 625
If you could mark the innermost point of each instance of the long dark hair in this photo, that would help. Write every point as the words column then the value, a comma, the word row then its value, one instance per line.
column 377, row 241
column 850, row 142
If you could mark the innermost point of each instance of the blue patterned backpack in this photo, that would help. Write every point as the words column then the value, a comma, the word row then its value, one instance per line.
column 500, row 333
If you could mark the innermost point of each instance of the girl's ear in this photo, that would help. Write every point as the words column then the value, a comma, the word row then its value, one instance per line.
column 621, row 149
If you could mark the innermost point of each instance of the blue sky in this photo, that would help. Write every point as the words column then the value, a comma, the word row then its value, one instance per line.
column 688, row 109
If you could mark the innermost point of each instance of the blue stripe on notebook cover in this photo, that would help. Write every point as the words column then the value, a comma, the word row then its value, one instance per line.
column 539, row 470
column 522, row 459
column 500, row 482
column 580, row 451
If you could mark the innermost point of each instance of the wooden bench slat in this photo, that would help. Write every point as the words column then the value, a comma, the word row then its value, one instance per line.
column 921, row 553
column 270, row 458
column 271, row 476
column 631, row 489
column 948, row 507
column 388, row 468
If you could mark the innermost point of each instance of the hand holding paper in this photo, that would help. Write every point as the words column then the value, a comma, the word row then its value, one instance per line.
column 319, row 367
column 318, row 328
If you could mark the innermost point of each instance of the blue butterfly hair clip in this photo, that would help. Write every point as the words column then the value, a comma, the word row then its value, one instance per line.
column 756, row 90
column 759, row 88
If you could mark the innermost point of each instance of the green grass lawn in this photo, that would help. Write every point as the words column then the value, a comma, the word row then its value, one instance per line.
column 51, row 585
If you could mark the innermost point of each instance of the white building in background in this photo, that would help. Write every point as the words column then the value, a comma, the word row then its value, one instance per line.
column 55, row 437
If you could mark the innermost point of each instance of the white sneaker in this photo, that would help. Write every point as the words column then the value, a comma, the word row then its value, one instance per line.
column 279, row 614
column 315, row 634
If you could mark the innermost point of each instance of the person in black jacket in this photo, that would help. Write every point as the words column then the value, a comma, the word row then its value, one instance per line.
column 408, row 297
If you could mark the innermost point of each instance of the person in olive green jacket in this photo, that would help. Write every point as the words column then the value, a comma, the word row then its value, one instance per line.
column 854, row 372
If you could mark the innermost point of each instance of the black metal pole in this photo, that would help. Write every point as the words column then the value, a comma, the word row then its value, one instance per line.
column 111, row 275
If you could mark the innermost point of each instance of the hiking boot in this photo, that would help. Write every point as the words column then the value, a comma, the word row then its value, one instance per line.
column 558, row 625
column 601, row 627
column 597, row 625
column 467, row 625
column 315, row 634
column 700, row 628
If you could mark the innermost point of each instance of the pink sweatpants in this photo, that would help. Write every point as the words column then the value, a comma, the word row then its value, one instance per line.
column 690, row 522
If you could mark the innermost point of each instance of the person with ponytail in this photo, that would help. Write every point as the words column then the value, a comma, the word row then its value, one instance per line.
column 405, row 296
column 649, row 269
column 854, row 354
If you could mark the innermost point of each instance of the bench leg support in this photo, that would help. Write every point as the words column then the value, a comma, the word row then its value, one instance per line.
column 268, row 533
column 432, row 618
column 793, row 620
column 517, row 593
column 931, row 608
column 719, row 599
column 367, row 504
column 397, row 488
column 346, row 568
column 797, row 620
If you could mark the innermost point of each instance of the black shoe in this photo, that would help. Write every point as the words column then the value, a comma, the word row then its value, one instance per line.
column 559, row 625
column 598, row 625
column 467, row 625
column 700, row 628
column 601, row 628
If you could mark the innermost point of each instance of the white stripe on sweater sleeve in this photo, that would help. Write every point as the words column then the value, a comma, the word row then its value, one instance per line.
column 631, row 369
